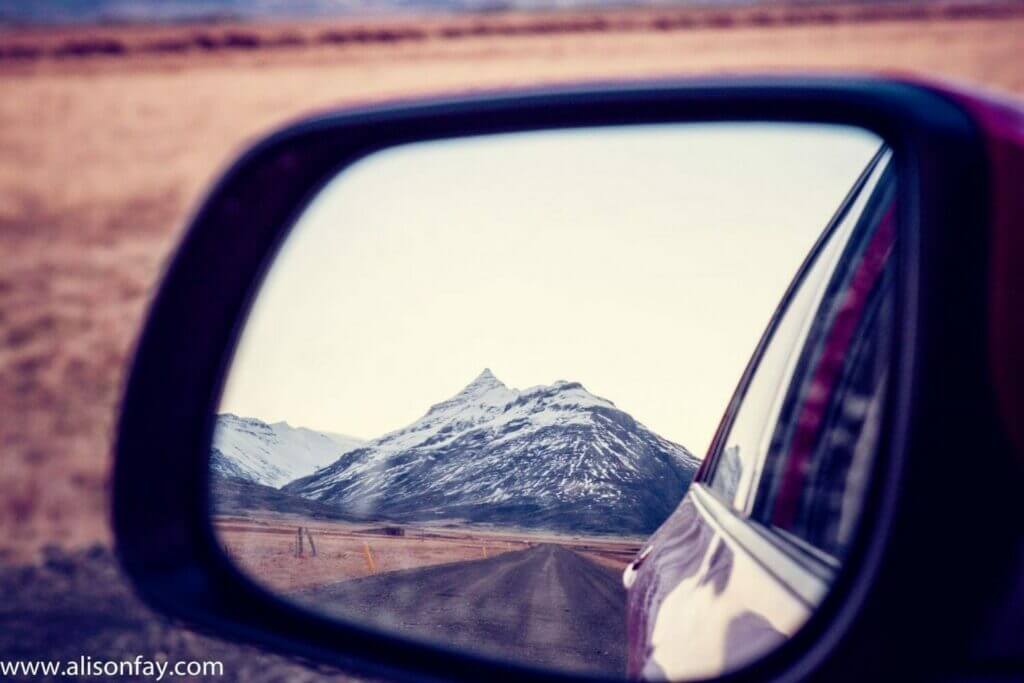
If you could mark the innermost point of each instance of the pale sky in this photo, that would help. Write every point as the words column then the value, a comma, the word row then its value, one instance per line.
column 643, row 262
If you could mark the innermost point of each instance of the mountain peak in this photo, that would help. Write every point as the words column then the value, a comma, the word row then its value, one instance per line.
column 552, row 456
column 484, row 381
column 272, row 454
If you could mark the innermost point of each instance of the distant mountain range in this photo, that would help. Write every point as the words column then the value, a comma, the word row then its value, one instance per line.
column 112, row 11
column 120, row 11
column 553, row 457
column 272, row 454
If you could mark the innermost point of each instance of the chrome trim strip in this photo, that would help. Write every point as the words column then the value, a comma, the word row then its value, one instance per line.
column 804, row 576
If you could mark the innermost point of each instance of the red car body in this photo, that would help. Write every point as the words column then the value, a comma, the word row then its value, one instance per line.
column 720, row 584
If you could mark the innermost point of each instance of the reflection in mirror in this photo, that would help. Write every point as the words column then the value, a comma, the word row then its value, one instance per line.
column 374, row 460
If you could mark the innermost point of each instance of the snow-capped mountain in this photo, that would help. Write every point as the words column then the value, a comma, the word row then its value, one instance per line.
column 551, row 457
column 272, row 454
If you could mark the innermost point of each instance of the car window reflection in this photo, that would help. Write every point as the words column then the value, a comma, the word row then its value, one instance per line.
column 826, row 437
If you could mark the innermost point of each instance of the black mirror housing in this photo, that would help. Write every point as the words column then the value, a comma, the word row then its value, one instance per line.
column 943, row 408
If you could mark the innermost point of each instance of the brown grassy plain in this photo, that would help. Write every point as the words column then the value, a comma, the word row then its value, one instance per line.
column 104, row 152
column 265, row 546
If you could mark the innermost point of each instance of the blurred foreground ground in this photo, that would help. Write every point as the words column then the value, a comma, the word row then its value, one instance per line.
column 72, row 605
column 107, row 142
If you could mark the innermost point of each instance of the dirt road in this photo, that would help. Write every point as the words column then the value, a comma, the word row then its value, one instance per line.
column 545, row 605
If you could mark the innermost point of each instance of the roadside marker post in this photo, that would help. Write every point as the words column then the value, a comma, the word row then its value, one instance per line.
column 371, row 565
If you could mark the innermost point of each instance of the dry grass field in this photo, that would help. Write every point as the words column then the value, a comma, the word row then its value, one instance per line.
column 107, row 141
column 266, row 547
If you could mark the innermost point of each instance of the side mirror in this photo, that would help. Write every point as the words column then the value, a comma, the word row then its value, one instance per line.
column 622, row 252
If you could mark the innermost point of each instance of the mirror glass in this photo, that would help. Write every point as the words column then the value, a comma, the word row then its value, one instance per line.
column 473, row 394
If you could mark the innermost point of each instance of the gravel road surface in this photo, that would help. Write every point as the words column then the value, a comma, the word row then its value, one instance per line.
column 545, row 605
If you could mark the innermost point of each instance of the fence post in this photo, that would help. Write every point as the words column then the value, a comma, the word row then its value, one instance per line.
column 298, row 543
column 312, row 548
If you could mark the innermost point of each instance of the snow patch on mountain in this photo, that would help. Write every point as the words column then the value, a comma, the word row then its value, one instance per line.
column 273, row 454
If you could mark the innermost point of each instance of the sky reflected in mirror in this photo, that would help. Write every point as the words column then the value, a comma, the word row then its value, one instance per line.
column 419, row 266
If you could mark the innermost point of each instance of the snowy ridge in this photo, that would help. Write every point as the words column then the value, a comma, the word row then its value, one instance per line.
column 554, row 457
column 272, row 454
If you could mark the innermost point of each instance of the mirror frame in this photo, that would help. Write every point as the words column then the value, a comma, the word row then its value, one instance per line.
column 165, row 538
